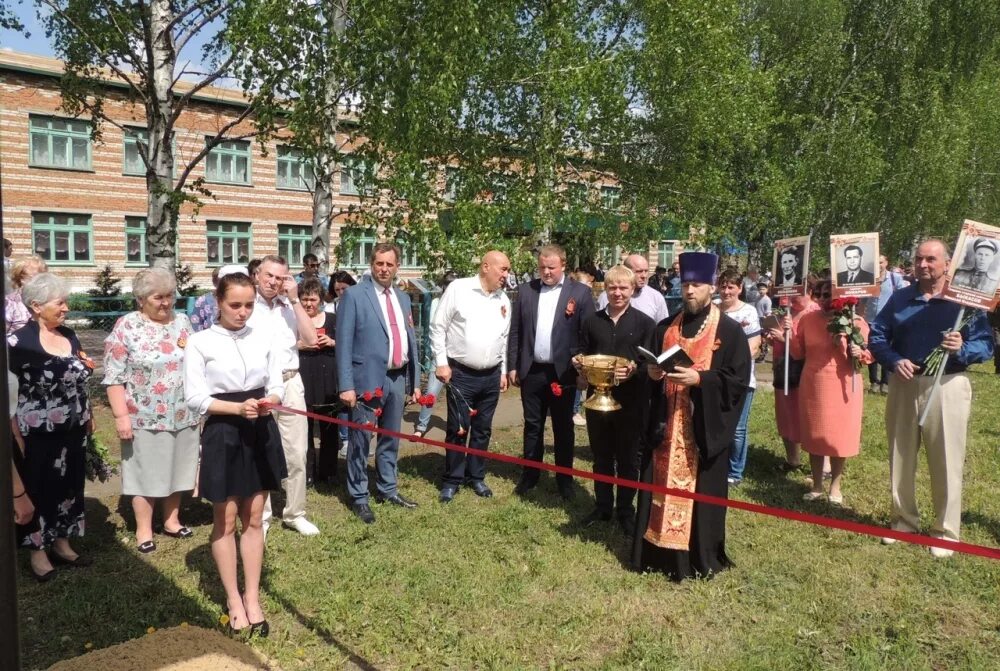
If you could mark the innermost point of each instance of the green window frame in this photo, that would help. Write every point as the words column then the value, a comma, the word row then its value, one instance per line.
column 354, row 175
column 228, row 242
column 228, row 162
column 132, row 163
column 360, row 254
column 665, row 254
column 60, row 143
column 63, row 239
column 136, row 244
column 294, row 242
column 293, row 171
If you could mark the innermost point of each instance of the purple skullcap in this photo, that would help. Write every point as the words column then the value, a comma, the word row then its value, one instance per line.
column 699, row 267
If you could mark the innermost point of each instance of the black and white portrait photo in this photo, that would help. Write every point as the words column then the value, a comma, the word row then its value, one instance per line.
column 853, row 267
column 789, row 267
column 980, row 266
column 791, row 261
column 854, row 264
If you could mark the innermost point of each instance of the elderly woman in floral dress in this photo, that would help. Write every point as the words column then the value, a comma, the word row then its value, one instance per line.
column 54, row 417
column 15, row 311
column 143, row 370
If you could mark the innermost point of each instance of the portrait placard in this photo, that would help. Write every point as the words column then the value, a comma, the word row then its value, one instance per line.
column 854, row 264
column 791, row 266
column 974, row 272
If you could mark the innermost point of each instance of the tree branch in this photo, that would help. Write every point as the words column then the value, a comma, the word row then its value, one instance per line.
column 190, row 31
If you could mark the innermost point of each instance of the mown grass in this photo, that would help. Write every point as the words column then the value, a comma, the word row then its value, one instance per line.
column 507, row 583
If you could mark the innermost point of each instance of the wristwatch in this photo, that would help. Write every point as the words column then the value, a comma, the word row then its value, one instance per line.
column 293, row 301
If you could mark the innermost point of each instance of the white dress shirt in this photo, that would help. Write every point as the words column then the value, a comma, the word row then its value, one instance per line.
column 279, row 320
column 648, row 301
column 220, row 361
column 548, row 300
column 471, row 326
column 401, row 321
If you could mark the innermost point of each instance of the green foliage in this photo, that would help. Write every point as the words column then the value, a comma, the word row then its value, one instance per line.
column 107, row 284
column 185, row 280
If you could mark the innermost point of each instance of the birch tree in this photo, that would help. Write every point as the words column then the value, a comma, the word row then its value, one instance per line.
column 137, row 44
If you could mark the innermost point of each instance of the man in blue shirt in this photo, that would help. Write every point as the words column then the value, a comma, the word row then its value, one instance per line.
column 912, row 324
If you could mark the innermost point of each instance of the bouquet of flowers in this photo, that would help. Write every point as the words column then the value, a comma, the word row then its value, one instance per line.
column 934, row 360
column 842, row 325
column 98, row 464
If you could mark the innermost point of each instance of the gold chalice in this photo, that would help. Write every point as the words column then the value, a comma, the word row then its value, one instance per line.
column 599, row 369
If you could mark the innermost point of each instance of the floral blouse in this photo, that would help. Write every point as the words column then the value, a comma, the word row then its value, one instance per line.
column 52, row 390
column 17, row 314
column 203, row 315
column 148, row 359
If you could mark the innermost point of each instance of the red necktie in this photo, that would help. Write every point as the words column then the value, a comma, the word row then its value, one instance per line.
column 397, row 342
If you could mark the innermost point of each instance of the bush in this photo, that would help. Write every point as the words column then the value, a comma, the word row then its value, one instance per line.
column 107, row 284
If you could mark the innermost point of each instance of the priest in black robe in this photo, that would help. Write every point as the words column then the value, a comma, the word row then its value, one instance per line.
column 713, row 390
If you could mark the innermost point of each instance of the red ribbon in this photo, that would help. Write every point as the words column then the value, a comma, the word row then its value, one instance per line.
column 781, row 513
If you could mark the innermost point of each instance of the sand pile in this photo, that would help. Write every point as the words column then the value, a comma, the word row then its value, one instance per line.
column 183, row 648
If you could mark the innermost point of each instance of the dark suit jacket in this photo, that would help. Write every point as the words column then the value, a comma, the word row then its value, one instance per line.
column 863, row 277
column 363, row 339
column 566, row 329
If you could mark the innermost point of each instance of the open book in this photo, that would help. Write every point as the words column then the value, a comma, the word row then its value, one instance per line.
column 668, row 359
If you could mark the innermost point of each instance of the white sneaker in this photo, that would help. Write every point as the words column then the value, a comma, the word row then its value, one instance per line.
column 579, row 420
column 941, row 553
column 303, row 526
column 888, row 541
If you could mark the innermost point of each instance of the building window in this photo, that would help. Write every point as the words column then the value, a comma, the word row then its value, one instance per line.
column 665, row 254
column 452, row 183
column 359, row 254
column 411, row 255
column 62, row 238
column 294, row 242
column 228, row 242
column 59, row 143
column 356, row 177
column 132, row 163
column 135, row 240
column 611, row 198
column 229, row 162
column 293, row 171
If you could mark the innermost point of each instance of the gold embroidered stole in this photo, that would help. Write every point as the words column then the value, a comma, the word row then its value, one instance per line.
column 675, row 462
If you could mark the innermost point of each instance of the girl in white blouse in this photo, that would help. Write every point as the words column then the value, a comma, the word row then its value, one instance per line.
column 232, row 374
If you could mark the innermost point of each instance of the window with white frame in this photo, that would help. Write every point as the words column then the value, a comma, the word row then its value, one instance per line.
column 62, row 238
column 294, row 242
column 228, row 162
column 611, row 197
column 293, row 170
column 228, row 242
column 59, row 143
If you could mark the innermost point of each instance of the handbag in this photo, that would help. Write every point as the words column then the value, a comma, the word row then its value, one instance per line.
column 795, row 367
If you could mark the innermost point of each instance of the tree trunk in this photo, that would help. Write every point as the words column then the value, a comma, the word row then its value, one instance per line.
column 322, row 219
column 162, row 215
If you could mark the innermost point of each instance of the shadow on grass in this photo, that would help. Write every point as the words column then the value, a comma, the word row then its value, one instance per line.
column 766, row 484
column 111, row 602
column 989, row 524
column 314, row 626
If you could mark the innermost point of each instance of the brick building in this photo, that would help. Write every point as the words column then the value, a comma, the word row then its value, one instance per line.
column 81, row 204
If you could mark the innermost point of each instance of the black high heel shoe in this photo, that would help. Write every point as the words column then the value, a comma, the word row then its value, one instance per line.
column 261, row 629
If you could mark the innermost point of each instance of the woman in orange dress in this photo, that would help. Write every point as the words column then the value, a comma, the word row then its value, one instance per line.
column 786, row 407
column 830, row 407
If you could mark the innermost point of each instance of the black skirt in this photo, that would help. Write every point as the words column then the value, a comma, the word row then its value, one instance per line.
column 239, row 456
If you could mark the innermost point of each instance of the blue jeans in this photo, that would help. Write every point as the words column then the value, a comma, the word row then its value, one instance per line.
column 577, row 402
column 434, row 386
column 738, row 448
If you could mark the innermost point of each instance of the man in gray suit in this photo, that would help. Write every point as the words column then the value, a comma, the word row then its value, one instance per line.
column 377, row 370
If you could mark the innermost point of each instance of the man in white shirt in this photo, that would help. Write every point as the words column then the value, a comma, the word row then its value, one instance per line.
column 277, row 309
column 469, row 342
column 646, row 300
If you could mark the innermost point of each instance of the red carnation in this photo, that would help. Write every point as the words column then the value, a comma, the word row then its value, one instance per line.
column 378, row 393
column 378, row 412
column 427, row 400
column 473, row 412
column 367, row 396
column 556, row 388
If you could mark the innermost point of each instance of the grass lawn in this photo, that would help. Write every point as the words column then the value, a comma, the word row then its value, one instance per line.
column 507, row 583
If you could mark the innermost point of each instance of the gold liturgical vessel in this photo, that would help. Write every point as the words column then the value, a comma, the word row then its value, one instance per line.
column 599, row 369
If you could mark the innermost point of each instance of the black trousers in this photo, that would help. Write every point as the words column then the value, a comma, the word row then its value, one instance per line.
column 470, row 390
column 322, row 467
column 537, row 402
column 614, row 442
